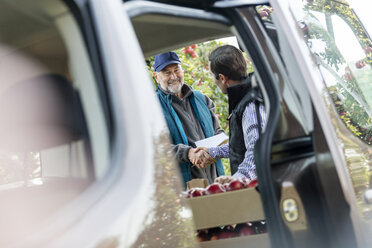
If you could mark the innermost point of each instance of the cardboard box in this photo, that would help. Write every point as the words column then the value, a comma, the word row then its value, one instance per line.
column 197, row 183
column 226, row 208
column 253, row 241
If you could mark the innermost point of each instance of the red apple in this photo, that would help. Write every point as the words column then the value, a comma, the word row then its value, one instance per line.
column 360, row 64
column 214, row 237
column 202, row 236
column 253, row 183
column 235, row 185
column 198, row 192
column 227, row 232
column 245, row 229
column 189, row 50
column 215, row 188
column 193, row 46
column 195, row 192
column 226, row 235
column 213, row 233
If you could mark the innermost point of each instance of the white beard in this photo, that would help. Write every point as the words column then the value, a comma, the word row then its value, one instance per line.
column 174, row 88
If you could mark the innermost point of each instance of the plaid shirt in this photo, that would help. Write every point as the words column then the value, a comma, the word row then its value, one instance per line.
column 247, row 167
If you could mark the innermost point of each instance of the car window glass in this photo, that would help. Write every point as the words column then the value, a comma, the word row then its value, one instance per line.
column 54, row 141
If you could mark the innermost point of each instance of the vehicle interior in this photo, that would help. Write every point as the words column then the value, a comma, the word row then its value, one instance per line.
column 49, row 103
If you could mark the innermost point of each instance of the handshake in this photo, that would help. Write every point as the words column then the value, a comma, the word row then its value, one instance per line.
column 200, row 157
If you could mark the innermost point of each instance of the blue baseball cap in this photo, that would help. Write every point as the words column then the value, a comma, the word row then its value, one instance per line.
column 164, row 59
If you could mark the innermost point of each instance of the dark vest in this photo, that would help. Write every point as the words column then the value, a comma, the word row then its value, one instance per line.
column 240, row 96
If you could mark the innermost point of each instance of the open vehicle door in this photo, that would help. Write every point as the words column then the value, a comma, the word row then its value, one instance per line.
column 312, row 183
column 337, row 74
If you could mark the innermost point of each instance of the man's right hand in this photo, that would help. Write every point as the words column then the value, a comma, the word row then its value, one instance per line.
column 200, row 157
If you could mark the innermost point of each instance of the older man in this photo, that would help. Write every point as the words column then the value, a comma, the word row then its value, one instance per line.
column 190, row 117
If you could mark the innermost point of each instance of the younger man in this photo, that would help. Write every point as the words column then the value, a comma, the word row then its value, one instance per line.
column 246, row 111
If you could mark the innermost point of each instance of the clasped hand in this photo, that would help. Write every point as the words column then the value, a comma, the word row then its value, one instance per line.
column 200, row 157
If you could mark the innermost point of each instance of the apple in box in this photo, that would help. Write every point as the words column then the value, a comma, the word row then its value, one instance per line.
column 226, row 235
column 195, row 192
column 235, row 184
column 227, row 232
column 213, row 233
column 215, row 188
column 245, row 229
column 253, row 183
column 202, row 235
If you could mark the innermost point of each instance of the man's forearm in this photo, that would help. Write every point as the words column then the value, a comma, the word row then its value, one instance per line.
column 220, row 151
column 181, row 152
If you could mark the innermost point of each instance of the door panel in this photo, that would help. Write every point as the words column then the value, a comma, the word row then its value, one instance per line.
column 291, row 173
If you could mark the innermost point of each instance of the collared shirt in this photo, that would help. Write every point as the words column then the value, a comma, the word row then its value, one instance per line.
column 247, row 167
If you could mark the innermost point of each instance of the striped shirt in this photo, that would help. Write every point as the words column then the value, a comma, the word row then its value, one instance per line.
column 247, row 167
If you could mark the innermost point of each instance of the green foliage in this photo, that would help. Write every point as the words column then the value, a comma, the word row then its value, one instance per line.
column 342, row 9
column 352, row 114
column 351, row 111
column 330, row 54
column 194, row 60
